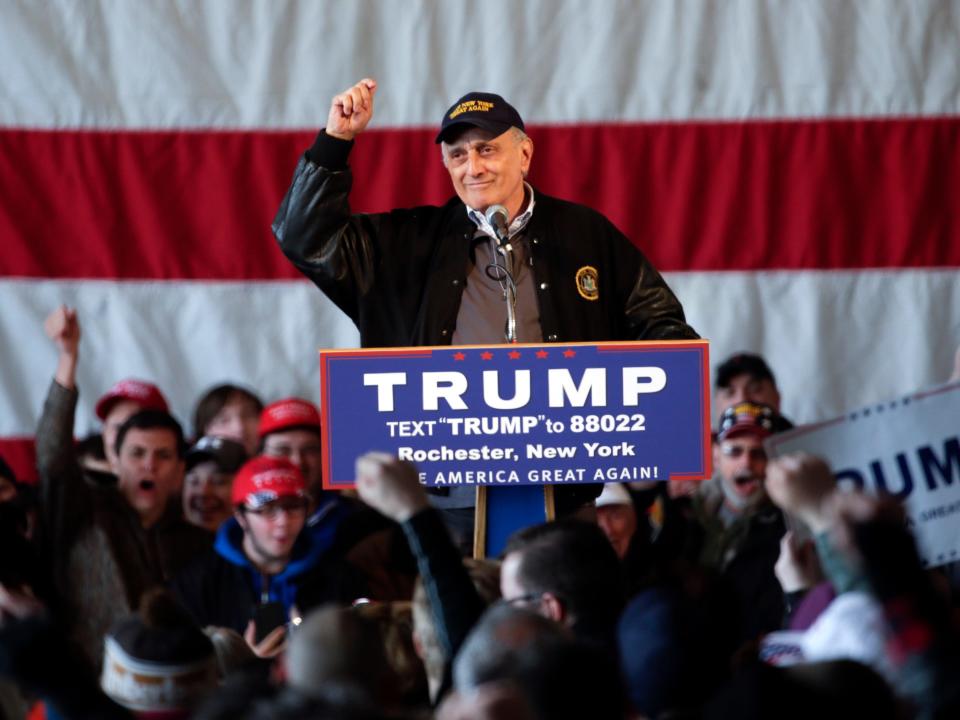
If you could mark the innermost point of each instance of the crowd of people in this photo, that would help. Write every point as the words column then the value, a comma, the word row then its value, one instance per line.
column 148, row 575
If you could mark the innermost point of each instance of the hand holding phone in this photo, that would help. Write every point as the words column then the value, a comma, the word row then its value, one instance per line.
column 266, row 631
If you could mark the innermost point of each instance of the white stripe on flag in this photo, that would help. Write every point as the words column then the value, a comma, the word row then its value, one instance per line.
column 829, row 336
column 185, row 336
column 266, row 64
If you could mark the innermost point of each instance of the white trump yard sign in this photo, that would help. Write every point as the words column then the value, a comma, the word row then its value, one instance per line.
column 909, row 448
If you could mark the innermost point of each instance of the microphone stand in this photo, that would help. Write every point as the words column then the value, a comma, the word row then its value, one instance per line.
column 509, row 289
column 498, row 218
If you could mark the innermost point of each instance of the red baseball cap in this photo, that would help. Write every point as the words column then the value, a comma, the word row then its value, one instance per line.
column 288, row 414
column 145, row 394
column 265, row 479
column 747, row 418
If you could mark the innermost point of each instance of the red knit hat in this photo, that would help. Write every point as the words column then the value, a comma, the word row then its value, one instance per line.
column 265, row 479
column 145, row 394
column 288, row 414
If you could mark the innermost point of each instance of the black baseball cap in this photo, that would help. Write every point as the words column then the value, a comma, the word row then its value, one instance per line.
column 228, row 455
column 483, row 110
column 743, row 364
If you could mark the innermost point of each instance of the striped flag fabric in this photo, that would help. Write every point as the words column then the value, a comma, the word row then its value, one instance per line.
column 792, row 167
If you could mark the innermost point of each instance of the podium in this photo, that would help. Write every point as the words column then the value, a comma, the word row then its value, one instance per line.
column 513, row 421
column 500, row 512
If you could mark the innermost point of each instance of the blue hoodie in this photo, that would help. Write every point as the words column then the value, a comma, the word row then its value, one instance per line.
column 306, row 555
column 325, row 520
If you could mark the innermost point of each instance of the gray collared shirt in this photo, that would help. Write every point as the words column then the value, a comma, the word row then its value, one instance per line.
column 482, row 317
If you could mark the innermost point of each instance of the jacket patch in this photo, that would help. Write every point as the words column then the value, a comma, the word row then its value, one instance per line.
column 587, row 283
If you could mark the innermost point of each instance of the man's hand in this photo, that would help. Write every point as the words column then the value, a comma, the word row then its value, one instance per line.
column 801, row 485
column 351, row 110
column 798, row 567
column 19, row 603
column 390, row 486
column 272, row 645
column 63, row 328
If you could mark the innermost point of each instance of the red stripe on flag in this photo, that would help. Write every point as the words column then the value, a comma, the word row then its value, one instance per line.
column 827, row 194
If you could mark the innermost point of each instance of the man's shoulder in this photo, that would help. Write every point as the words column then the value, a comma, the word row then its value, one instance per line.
column 708, row 496
column 207, row 568
column 571, row 220
column 765, row 524
column 183, row 533
column 568, row 209
column 111, row 510
column 452, row 213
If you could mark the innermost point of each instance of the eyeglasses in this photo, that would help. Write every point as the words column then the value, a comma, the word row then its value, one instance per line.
column 272, row 511
column 737, row 451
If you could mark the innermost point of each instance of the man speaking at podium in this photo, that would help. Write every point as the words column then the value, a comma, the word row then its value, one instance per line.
column 441, row 276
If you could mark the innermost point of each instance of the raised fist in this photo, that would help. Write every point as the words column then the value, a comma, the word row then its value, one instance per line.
column 351, row 110
column 798, row 567
column 62, row 327
column 390, row 486
column 801, row 485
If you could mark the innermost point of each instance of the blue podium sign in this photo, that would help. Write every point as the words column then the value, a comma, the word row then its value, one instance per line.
column 521, row 414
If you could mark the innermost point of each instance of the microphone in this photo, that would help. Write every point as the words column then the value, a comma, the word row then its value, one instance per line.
column 497, row 216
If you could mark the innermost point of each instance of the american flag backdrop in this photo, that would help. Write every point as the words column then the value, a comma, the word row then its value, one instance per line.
column 793, row 167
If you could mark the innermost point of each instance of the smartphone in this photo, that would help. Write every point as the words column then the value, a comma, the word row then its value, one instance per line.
column 267, row 617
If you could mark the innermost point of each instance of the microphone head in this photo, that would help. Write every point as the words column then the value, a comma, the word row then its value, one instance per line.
column 497, row 215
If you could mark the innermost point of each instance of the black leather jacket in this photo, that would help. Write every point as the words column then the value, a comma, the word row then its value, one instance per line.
column 400, row 275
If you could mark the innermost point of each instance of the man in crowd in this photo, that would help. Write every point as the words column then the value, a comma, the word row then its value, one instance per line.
column 566, row 571
column 120, row 402
column 742, row 377
column 290, row 429
column 262, row 559
column 629, row 531
column 229, row 411
column 550, row 673
column 741, row 528
column 617, row 517
column 211, row 464
column 745, row 377
column 109, row 544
